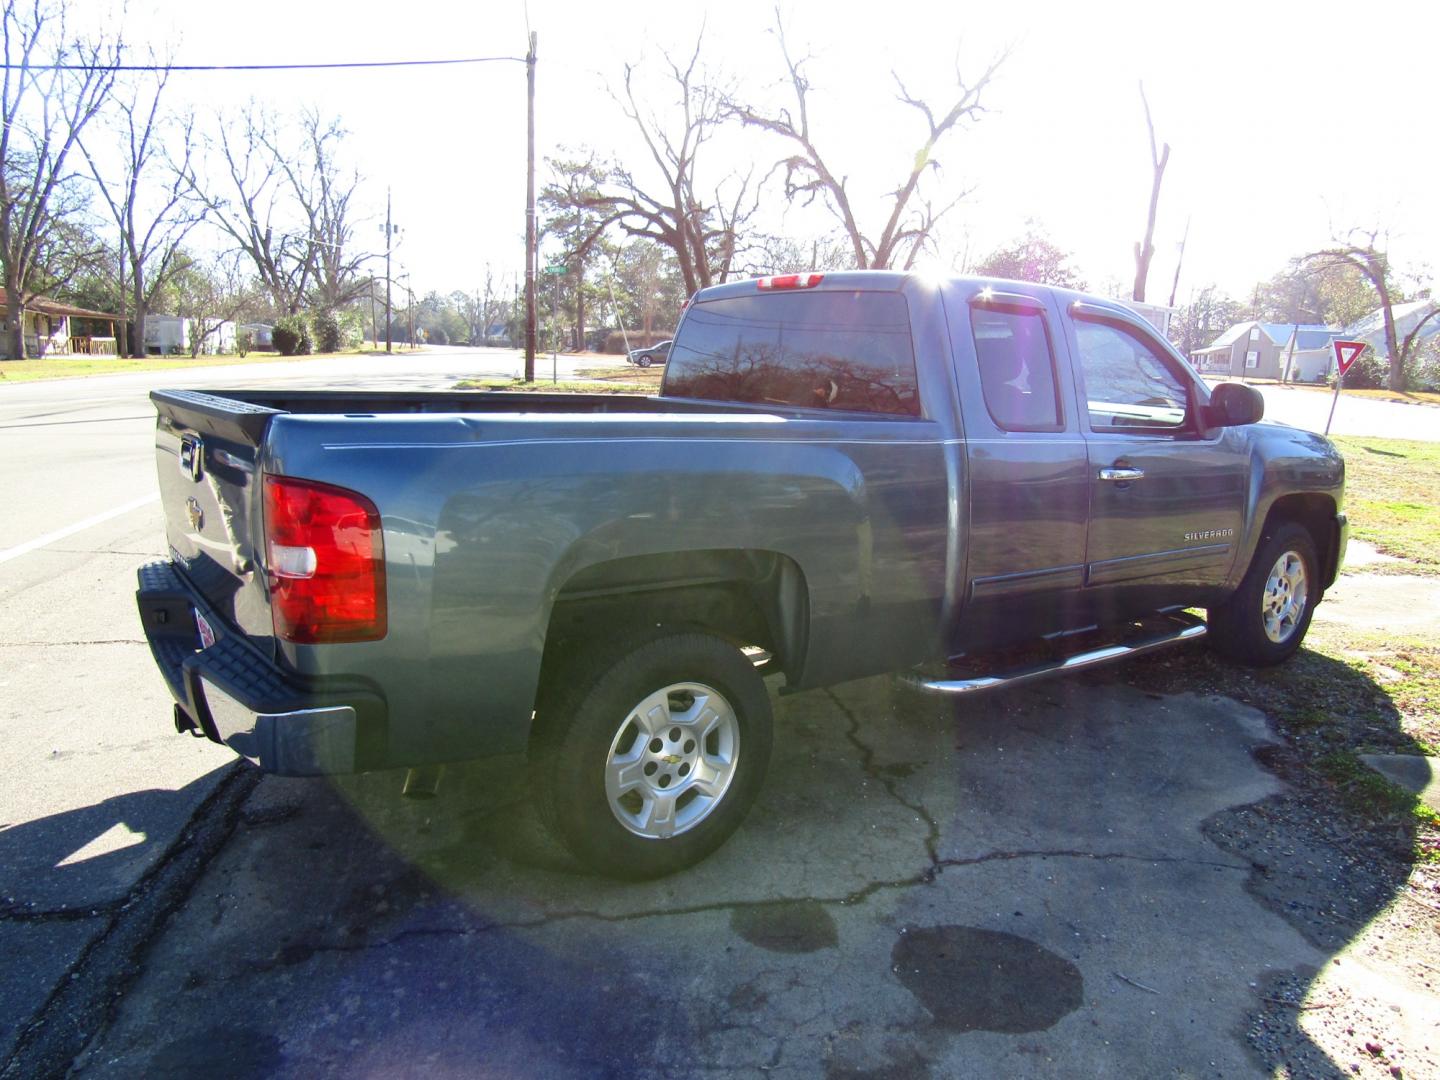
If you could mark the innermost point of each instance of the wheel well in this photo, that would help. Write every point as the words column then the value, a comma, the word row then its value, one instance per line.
column 748, row 597
column 1316, row 513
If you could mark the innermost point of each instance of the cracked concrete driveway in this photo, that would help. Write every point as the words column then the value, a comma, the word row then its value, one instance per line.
column 1022, row 886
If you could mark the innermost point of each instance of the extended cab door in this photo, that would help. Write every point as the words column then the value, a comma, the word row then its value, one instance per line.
column 1028, row 474
column 1167, row 496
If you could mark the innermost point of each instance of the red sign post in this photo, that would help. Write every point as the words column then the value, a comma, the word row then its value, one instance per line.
column 1346, row 353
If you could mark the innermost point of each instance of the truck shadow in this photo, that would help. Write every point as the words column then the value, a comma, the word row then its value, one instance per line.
column 1140, row 787
column 1125, row 870
column 93, row 856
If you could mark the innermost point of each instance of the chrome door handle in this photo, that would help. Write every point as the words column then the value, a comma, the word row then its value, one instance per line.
column 1121, row 474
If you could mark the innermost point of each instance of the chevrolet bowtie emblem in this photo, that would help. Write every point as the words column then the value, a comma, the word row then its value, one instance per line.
column 194, row 513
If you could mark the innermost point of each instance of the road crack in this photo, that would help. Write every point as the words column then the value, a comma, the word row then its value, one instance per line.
column 868, row 766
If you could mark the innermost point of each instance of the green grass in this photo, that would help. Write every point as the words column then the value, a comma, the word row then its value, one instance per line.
column 545, row 386
column 78, row 367
column 649, row 377
column 1370, row 794
column 1392, row 493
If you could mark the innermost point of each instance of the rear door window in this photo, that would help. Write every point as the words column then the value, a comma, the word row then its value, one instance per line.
column 823, row 350
column 1017, row 367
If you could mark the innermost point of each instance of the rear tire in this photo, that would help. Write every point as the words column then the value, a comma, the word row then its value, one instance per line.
column 643, row 361
column 1265, row 619
column 648, row 755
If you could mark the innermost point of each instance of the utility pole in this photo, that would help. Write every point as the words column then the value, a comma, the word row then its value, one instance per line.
column 390, row 231
column 1179, row 262
column 387, row 269
column 374, row 335
column 530, row 210
column 410, row 313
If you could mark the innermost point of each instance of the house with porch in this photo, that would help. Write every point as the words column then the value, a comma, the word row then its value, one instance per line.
column 52, row 327
column 1258, row 350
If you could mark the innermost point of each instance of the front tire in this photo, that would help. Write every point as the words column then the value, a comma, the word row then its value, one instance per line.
column 647, row 756
column 1266, row 618
column 643, row 361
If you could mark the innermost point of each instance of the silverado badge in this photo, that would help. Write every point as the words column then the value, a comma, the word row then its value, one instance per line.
column 1209, row 534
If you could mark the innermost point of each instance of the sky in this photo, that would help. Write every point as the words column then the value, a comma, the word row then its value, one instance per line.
column 1288, row 123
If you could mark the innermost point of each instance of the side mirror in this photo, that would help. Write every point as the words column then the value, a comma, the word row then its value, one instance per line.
column 1232, row 404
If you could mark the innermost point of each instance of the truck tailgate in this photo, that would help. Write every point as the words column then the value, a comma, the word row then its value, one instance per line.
column 207, row 454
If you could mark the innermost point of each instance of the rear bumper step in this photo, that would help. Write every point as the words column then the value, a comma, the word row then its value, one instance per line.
column 234, row 695
column 1183, row 628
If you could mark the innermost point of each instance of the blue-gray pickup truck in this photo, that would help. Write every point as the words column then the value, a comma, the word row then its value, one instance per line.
column 844, row 474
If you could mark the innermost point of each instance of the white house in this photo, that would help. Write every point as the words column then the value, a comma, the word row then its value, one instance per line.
column 1316, row 362
column 173, row 335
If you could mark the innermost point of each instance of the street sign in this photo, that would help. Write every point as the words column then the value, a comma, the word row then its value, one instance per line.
column 556, row 270
column 1346, row 353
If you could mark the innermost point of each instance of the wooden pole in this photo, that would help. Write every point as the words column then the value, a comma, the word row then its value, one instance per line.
column 530, row 210
column 388, row 233
column 1179, row 262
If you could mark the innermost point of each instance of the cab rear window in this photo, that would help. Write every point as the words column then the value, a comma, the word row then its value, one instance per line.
column 823, row 350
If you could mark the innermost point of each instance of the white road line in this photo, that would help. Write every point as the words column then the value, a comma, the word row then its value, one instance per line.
column 79, row 526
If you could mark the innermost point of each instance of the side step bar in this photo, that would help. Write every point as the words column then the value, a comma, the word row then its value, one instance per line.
column 1186, row 628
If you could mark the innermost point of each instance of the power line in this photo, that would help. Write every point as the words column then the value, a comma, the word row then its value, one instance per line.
column 263, row 67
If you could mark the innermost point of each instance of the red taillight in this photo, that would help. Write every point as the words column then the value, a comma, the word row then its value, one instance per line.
column 325, row 558
column 790, row 281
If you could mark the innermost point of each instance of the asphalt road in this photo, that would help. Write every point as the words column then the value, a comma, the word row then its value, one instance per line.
column 99, row 787
column 792, row 947
column 1308, row 408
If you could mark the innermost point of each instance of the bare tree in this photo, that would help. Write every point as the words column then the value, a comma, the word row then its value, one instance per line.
column 153, row 216
column 705, row 232
column 1145, row 249
column 323, row 190
column 52, row 88
column 246, row 203
column 1364, row 250
column 771, row 254
column 1200, row 321
column 809, row 175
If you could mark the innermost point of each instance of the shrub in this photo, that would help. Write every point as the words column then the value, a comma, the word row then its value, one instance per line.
column 1425, row 366
column 243, row 343
column 285, row 339
column 437, row 336
column 327, row 330
column 1369, row 372
column 352, row 329
column 292, row 336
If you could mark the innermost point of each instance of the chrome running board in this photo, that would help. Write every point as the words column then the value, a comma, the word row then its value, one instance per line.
column 1187, row 628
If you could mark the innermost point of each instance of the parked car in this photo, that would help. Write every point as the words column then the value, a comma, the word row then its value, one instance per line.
column 655, row 354
column 844, row 474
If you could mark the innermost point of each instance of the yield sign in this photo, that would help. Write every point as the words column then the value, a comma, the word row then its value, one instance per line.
column 1346, row 353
